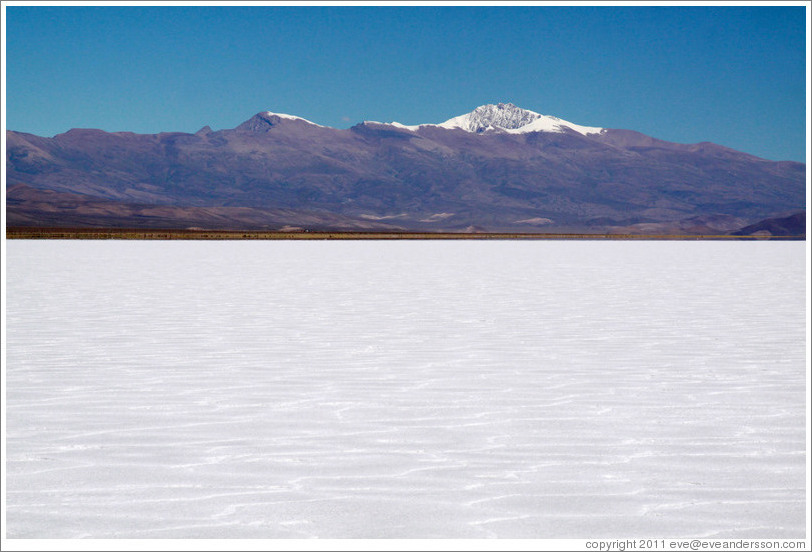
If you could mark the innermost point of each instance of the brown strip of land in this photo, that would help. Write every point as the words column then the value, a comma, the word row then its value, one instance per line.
column 28, row 233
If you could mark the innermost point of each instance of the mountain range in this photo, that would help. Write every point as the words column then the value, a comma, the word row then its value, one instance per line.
column 499, row 168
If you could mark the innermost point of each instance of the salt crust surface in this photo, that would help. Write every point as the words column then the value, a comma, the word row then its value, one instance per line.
column 405, row 390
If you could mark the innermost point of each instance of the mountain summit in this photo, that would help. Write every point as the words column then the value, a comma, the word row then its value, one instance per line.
column 264, row 121
column 510, row 118
column 506, row 117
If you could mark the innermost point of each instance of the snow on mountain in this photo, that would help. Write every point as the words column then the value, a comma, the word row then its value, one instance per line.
column 507, row 118
column 292, row 117
column 501, row 117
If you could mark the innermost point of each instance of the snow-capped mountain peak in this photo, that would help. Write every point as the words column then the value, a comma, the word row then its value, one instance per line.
column 267, row 120
column 291, row 117
column 510, row 118
column 506, row 117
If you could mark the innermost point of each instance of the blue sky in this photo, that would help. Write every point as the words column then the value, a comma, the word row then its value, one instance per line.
column 733, row 75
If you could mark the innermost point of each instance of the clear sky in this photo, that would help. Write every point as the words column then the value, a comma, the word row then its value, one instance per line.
column 733, row 75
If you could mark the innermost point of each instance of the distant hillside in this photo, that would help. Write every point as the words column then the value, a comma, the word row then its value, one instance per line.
column 498, row 168
column 793, row 225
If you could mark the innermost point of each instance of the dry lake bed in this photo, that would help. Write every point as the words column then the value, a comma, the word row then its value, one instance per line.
column 375, row 389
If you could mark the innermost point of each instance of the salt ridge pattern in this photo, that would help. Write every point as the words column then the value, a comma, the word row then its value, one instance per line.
column 405, row 390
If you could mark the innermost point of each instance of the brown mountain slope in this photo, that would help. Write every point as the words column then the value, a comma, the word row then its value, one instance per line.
column 271, row 170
